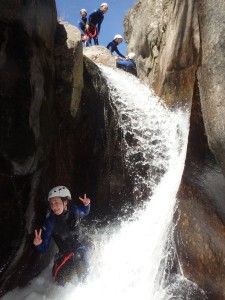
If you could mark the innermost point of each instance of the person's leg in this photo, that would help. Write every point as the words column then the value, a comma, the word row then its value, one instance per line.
column 130, row 68
column 63, row 269
column 96, row 40
column 82, row 262
column 88, row 42
column 121, row 64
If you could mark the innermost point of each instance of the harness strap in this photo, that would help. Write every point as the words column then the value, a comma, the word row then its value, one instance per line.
column 63, row 262
column 92, row 35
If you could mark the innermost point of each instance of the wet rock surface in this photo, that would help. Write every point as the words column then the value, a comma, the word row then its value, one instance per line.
column 26, row 92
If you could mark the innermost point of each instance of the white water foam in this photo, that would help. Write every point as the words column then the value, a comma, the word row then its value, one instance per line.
column 127, row 258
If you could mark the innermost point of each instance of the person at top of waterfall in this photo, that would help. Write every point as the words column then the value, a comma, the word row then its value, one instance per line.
column 63, row 225
column 128, row 64
column 112, row 46
column 82, row 24
column 94, row 22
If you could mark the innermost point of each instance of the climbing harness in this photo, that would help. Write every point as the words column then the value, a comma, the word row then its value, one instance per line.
column 62, row 264
column 92, row 35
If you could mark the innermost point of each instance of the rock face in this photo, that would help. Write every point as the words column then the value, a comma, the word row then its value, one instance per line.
column 69, row 69
column 179, row 49
column 200, row 215
column 41, row 71
column 101, row 55
column 167, row 46
column 211, row 75
column 27, row 75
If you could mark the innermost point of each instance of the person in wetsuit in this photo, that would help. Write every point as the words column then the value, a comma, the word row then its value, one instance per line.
column 128, row 64
column 94, row 22
column 112, row 46
column 63, row 225
column 82, row 25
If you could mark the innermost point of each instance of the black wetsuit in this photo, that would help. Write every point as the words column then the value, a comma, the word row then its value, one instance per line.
column 112, row 46
column 65, row 231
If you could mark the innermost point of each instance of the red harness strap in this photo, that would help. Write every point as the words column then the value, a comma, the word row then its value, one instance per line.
column 63, row 262
column 92, row 35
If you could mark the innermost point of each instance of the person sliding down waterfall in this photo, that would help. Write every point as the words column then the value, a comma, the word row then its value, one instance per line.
column 63, row 225
column 128, row 64
column 94, row 22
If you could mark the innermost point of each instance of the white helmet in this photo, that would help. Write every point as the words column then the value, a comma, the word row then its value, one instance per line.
column 104, row 4
column 131, row 55
column 59, row 191
column 118, row 36
column 83, row 9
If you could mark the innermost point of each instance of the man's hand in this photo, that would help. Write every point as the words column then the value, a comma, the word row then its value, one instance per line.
column 86, row 201
column 37, row 240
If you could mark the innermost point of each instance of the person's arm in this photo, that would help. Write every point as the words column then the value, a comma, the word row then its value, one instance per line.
column 101, row 18
column 118, row 52
column 82, row 211
column 80, row 27
column 43, row 237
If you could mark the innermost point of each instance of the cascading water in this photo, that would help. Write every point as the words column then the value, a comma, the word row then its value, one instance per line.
column 128, row 257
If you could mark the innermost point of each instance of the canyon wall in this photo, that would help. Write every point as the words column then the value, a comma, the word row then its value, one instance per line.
column 180, row 54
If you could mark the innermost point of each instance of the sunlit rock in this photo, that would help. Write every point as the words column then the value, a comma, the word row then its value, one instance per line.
column 69, row 68
column 167, row 46
column 101, row 55
column 211, row 75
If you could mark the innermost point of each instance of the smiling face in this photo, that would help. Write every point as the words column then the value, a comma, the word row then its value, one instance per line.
column 57, row 205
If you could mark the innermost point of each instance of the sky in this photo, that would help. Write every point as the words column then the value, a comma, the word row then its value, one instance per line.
column 69, row 11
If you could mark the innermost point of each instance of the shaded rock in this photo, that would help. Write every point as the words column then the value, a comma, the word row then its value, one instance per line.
column 48, row 116
column 101, row 55
column 26, row 90
column 200, row 237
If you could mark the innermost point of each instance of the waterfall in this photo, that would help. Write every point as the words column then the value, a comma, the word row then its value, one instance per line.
column 128, row 256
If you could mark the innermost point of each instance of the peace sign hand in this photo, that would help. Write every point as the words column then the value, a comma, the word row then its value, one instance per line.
column 37, row 240
column 86, row 201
